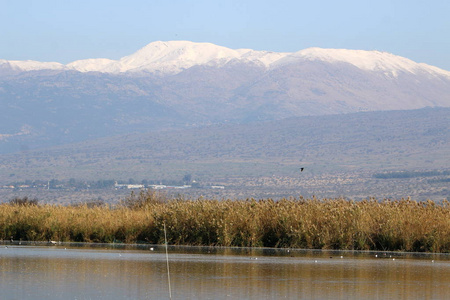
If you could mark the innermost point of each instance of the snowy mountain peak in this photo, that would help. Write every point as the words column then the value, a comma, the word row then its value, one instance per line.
column 366, row 60
column 175, row 56
column 377, row 61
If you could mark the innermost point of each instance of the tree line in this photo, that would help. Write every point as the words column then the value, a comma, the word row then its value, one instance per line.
column 410, row 174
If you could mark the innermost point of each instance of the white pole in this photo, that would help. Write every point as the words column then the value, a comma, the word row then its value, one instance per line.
column 167, row 260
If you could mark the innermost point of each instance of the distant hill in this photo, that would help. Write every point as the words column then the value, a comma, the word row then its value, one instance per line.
column 173, row 85
column 414, row 140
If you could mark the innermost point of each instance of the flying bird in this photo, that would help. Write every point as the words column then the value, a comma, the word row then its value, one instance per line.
column 301, row 169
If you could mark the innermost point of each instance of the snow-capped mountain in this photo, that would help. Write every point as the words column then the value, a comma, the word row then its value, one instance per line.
column 172, row 57
column 180, row 83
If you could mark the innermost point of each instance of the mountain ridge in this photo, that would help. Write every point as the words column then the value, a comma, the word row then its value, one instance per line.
column 172, row 57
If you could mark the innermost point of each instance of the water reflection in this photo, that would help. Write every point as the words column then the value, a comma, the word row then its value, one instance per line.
column 66, row 272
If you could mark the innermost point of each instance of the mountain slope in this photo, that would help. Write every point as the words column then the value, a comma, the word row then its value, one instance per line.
column 177, row 84
column 414, row 140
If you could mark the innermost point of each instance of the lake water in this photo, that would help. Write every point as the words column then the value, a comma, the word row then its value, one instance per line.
column 69, row 271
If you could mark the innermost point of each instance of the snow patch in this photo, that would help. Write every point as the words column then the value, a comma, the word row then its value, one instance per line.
column 31, row 65
column 91, row 65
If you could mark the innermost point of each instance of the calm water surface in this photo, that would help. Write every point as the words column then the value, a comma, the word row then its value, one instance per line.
column 126, row 272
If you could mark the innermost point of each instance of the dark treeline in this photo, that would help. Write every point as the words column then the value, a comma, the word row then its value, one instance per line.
column 439, row 180
column 410, row 174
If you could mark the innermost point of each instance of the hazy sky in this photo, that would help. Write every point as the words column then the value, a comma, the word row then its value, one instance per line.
column 64, row 31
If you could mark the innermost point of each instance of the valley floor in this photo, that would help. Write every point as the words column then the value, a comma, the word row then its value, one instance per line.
column 354, row 186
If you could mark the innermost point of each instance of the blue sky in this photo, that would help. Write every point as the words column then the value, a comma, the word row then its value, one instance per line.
column 65, row 31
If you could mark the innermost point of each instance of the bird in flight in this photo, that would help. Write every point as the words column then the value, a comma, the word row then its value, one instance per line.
column 301, row 169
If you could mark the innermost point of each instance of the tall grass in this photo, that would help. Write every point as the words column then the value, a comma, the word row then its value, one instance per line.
column 296, row 222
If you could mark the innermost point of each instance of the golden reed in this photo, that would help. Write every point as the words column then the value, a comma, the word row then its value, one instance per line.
column 403, row 224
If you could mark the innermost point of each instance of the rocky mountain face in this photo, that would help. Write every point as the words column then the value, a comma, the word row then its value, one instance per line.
column 168, row 85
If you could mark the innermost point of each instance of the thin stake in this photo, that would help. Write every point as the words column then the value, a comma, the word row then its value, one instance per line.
column 167, row 260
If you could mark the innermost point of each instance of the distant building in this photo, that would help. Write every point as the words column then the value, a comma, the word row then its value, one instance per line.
column 221, row 187
column 157, row 186
column 135, row 186
column 128, row 186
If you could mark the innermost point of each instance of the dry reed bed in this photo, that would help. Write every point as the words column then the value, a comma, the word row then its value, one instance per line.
column 298, row 223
